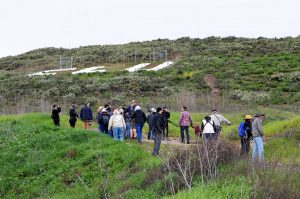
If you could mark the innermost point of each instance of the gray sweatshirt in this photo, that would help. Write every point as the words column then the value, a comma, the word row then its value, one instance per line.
column 257, row 127
column 219, row 119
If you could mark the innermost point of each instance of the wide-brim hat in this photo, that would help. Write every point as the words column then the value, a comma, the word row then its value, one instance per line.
column 248, row 117
column 259, row 114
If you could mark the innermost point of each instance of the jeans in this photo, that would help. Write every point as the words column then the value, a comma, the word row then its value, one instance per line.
column 157, row 141
column 186, row 129
column 139, row 128
column 150, row 134
column 127, row 131
column 118, row 133
column 258, row 148
column 101, row 128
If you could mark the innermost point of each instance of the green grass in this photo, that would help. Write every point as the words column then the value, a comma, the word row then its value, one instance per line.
column 39, row 160
column 234, row 188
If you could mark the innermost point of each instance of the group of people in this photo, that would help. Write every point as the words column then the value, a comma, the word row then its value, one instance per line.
column 249, row 130
column 128, row 123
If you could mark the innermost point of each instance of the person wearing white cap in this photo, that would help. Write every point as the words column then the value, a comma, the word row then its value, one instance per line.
column 150, row 119
column 117, row 125
column 140, row 118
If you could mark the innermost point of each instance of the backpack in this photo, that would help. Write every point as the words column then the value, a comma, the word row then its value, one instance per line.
column 105, row 119
column 241, row 130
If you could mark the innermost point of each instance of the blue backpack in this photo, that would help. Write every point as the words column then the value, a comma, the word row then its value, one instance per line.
column 241, row 130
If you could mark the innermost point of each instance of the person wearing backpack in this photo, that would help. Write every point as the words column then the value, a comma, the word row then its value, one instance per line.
column 140, row 118
column 117, row 125
column 73, row 115
column 86, row 115
column 55, row 115
column 184, row 122
column 257, row 132
column 104, row 121
column 245, row 133
column 208, row 128
column 218, row 120
column 129, row 112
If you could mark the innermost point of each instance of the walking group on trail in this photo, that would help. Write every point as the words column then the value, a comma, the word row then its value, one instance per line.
column 128, row 123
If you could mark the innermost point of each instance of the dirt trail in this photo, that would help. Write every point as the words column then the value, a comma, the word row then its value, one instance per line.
column 215, row 92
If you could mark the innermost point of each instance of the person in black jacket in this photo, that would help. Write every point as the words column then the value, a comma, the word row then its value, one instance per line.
column 104, row 121
column 140, row 118
column 150, row 119
column 86, row 115
column 73, row 115
column 158, row 128
column 55, row 114
column 166, row 115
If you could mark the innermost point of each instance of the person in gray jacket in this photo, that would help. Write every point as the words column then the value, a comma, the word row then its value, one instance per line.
column 218, row 119
column 257, row 132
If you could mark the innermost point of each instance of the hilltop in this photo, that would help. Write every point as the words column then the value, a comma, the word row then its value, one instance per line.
column 246, row 72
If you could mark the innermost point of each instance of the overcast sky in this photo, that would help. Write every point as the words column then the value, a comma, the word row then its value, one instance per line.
column 29, row 24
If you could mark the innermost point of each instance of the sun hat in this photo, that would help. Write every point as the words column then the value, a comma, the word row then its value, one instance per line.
column 248, row 117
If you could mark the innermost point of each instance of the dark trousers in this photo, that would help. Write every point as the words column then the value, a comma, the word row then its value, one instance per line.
column 56, row 122
column 218, row 130
column 245, row 146
column 186, row 129
column 166, row 130
column 72, row 122
column 210, row 136
column 157, row 142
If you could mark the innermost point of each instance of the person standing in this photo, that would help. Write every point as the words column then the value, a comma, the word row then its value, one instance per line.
column 55, row 115
column 158, row 125
column 86, row 115
column 184, row 122
column 218, row 119
column 257, row 132
column 166, row 115
column 127, row 121
column 117, row 125
column 104, row 122
column 245, row 133
column 208, row 128
column 129, row 112
column 150, row 119
column 73, row 115
column 98, row 116
column 198, row 132
column 140, row 118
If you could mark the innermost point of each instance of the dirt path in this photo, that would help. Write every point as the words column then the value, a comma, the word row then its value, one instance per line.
column 215, row 92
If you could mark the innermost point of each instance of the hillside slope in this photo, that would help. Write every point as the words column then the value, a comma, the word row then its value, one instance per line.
column 246, row 71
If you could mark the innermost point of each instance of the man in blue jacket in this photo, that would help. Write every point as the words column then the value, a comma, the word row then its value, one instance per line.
column 86, row 115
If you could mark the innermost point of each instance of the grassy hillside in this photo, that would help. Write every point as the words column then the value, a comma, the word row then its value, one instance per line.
column 42, row 161
column 247, row 71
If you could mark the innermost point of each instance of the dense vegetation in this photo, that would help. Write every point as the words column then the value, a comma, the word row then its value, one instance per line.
column 39, row 160
column 247, row 71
